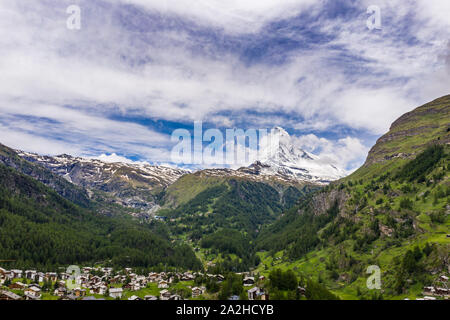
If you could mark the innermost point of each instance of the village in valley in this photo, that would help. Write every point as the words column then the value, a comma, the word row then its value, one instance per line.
column 102, row 283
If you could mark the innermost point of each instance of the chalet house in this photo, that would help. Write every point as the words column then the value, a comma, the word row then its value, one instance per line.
column 82, row 280
column 249, row 281
column 39, row 277
column 175, row 297
column 187, row 276
column 155, row 277
column 163, row 284
column 442, row 291
column 32, row 293
column 253, row 293
column 103, row 289
column 18, row 285
column 60, row 292
column 64, row 276
column 134, row 298
column 99, row 289
column 132, row 286
column 116, row 279
column 443, row 278
column 30, row 274
column 8, row 295
column 132, row 276
column 135, row 286
column 16, row 273
column 429, row 290
column 9, row 275
column 2, row 274
column 196, row 291
column 86, row 270
column 150, row 297
column 35, row 285
column 164, row 295
column 142, row 280
column 115, row 293
column 107, row 271
column 52, row 276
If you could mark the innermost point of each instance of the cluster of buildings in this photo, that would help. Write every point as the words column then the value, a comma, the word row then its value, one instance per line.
column 104, row 282
column 438, row 290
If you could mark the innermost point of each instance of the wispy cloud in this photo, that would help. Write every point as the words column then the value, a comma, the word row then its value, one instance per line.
column 310, row 66
column 347, row 153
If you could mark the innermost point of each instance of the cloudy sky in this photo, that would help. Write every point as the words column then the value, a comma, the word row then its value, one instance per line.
column 139, row 69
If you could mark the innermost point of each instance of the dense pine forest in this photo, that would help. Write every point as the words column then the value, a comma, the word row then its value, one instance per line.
column 226, row 219
column 40, row 229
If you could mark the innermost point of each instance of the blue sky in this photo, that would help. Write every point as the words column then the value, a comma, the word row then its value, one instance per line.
column 137, row 70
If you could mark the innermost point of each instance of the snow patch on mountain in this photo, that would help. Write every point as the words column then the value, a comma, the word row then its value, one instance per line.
column 285, row 159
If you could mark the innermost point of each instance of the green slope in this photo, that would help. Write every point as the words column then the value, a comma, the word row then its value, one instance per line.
column 223, row 215
column 40, row 229
column 393, row 212
column 411, row 134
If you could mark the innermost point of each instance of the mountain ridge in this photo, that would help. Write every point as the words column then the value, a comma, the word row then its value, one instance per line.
column 393, row 212
column 141, row 187
column 399, row 142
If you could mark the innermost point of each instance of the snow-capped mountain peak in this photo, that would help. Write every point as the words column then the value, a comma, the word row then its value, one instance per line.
column 285, row 158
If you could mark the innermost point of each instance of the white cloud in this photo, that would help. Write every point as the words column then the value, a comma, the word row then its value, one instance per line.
column 347, row 153
column 46, row 67
column 234, row 16
column 114, row 158
column 26, row 141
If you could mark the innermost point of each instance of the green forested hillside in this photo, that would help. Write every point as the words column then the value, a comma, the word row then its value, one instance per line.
column 226, row 216
column 394, row 212
column 40, row 229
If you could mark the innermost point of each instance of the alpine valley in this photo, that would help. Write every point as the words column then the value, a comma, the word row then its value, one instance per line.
column 297, row 223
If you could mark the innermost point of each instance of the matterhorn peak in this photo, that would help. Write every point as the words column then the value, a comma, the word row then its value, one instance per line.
column 287, row 159
column 280, row 131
